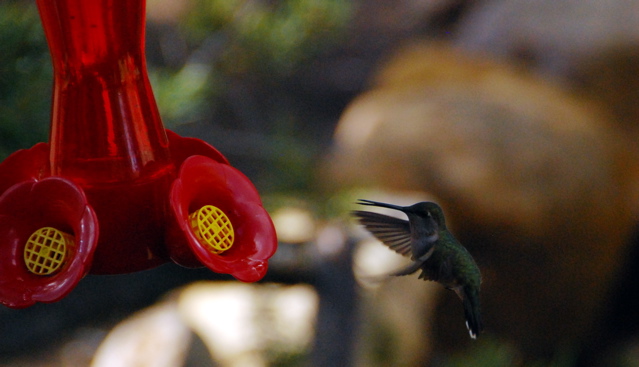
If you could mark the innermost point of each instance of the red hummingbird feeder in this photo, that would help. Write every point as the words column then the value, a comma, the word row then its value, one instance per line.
column 113, row 191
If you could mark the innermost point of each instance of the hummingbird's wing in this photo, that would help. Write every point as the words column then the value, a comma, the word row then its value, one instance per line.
column 393, row 232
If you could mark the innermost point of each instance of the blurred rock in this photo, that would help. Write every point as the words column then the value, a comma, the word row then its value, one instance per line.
column 547, row 34
column 230, row 323
column 153, row 337
column 294, row 225
column 537, row 183
column 610, row 75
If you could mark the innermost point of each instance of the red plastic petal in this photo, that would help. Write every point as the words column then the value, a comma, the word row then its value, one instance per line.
column 24, row 165
column 203, row 181
column 182, row 148
column 31, row 205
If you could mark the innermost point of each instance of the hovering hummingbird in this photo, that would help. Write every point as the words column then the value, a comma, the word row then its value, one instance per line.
column 432, row 248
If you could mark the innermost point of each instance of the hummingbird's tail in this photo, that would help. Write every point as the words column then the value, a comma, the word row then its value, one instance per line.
column 472, row 310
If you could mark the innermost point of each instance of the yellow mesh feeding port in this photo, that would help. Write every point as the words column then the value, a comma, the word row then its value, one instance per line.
column 46, row 250
column 213, row 228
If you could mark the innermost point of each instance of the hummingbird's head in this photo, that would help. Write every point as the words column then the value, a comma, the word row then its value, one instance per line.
column 427, row 209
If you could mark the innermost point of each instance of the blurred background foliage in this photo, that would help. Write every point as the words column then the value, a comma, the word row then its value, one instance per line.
column 237, row 78
column 25, row 78
column 270, row 39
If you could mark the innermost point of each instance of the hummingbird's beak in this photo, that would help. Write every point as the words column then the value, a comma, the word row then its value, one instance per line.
column 377, row 203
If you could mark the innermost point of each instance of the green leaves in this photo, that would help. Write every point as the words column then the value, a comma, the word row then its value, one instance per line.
column 25, row 77
column 271, row 37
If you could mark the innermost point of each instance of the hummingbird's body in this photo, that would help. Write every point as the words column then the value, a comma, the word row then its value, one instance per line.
column 433, row 249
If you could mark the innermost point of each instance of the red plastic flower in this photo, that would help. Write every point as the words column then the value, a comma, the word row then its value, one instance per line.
column 203, row 181
column 27, row 207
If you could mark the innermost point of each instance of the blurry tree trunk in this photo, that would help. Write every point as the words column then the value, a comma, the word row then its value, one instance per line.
column 336, row 319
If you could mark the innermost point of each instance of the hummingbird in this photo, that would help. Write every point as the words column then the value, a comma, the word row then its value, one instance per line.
column 433, row 250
